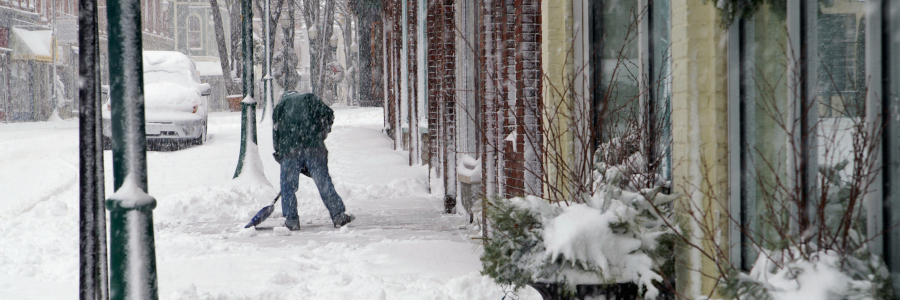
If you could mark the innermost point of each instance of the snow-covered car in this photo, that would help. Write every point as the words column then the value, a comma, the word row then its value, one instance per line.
column 175, row 101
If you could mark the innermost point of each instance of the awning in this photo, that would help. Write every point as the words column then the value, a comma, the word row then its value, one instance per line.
column 32, row 45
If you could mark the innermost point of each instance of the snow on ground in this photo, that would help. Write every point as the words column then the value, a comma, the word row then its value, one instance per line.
column 399, row 247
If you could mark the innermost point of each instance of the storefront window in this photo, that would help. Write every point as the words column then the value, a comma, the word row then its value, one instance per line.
column 803, row 124
column 841, row 103
column 660, row 83
column 764, row 128
column 618, row 67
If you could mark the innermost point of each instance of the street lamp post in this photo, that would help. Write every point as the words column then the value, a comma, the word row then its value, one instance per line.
column 93, row 272
column 354, row 52
column 132, row 254
column 333, row 41
column 248, row 105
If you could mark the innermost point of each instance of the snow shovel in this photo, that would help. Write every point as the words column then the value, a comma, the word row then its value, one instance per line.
column 263, row 213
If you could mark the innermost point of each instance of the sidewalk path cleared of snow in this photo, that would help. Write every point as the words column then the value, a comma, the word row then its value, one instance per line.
column 399, row 247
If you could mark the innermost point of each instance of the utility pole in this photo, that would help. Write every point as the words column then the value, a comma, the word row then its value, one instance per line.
column 93, row 272
column 132, row 264
column 248, row 105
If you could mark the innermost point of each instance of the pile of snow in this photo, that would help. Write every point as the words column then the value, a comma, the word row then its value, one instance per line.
column 209, row 68
column 173, row 67
column 584, row 234
column 470, row 168
column 817, row 278
column 39, row 42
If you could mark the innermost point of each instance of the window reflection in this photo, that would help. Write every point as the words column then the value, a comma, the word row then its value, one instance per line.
column 764, row 128
column 619, row 67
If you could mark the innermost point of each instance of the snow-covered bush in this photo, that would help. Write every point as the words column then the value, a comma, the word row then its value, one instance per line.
column 612, row 237
column 805, row 273
column 843, row 268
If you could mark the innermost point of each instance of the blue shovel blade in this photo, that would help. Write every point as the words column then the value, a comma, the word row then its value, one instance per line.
column 261, row 216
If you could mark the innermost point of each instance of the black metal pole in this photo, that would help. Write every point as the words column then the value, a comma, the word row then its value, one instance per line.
column 132, row 250
column 92, row 229
column 248, row 105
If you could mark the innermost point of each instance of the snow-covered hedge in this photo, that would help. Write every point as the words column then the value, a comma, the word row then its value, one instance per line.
column 836, row 264
column 610, row 238
column 796, row 273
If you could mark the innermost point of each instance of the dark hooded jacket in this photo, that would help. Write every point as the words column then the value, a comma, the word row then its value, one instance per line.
column 300, row 121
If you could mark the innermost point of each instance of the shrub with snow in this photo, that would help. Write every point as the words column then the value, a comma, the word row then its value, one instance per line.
column 612, row 237
column 831, row 261
column 804, row 273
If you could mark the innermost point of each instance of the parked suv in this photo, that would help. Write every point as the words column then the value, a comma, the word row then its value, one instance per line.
column 175, row 101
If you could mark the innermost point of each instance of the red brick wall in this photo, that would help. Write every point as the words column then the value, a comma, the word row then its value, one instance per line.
column 526, row 55
column 448, row 97
column 490, row 92
column 510, row 53
column 433, row 85
column 509, row 75
column 441, row 93
column 4, row 37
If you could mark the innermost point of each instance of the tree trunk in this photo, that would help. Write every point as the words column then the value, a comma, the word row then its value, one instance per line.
column 274, row 16
column 311, row 18
column 224, row 60
column 289, row 65
column 235, row 14
column 319, row 49
column 323, row 45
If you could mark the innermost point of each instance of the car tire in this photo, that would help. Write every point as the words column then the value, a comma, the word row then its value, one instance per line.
column 202, row 138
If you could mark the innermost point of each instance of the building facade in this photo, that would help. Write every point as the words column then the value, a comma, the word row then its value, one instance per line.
column 192, row 27
column 776, row 107
column 28, row 50
column 36, row 35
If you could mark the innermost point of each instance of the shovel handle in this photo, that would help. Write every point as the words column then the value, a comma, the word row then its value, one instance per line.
column 276, row 198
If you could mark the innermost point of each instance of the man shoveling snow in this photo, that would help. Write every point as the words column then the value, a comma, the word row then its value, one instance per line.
column 301, row 122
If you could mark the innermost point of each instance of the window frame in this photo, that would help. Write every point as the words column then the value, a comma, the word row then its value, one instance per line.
column 886, row 48
column 199, row 31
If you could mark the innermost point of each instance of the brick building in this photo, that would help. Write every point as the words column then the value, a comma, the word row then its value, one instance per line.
column 459, row 90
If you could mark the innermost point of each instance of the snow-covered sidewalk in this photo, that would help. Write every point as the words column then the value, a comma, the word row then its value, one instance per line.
column 400, row 246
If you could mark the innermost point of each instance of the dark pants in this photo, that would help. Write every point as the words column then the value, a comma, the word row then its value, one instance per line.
column 315, row 160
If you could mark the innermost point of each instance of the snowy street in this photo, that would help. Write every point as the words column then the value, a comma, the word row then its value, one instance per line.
column 400, row 247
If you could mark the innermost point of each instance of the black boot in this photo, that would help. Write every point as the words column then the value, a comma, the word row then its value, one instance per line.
column 342, row 220
column 292, row 225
